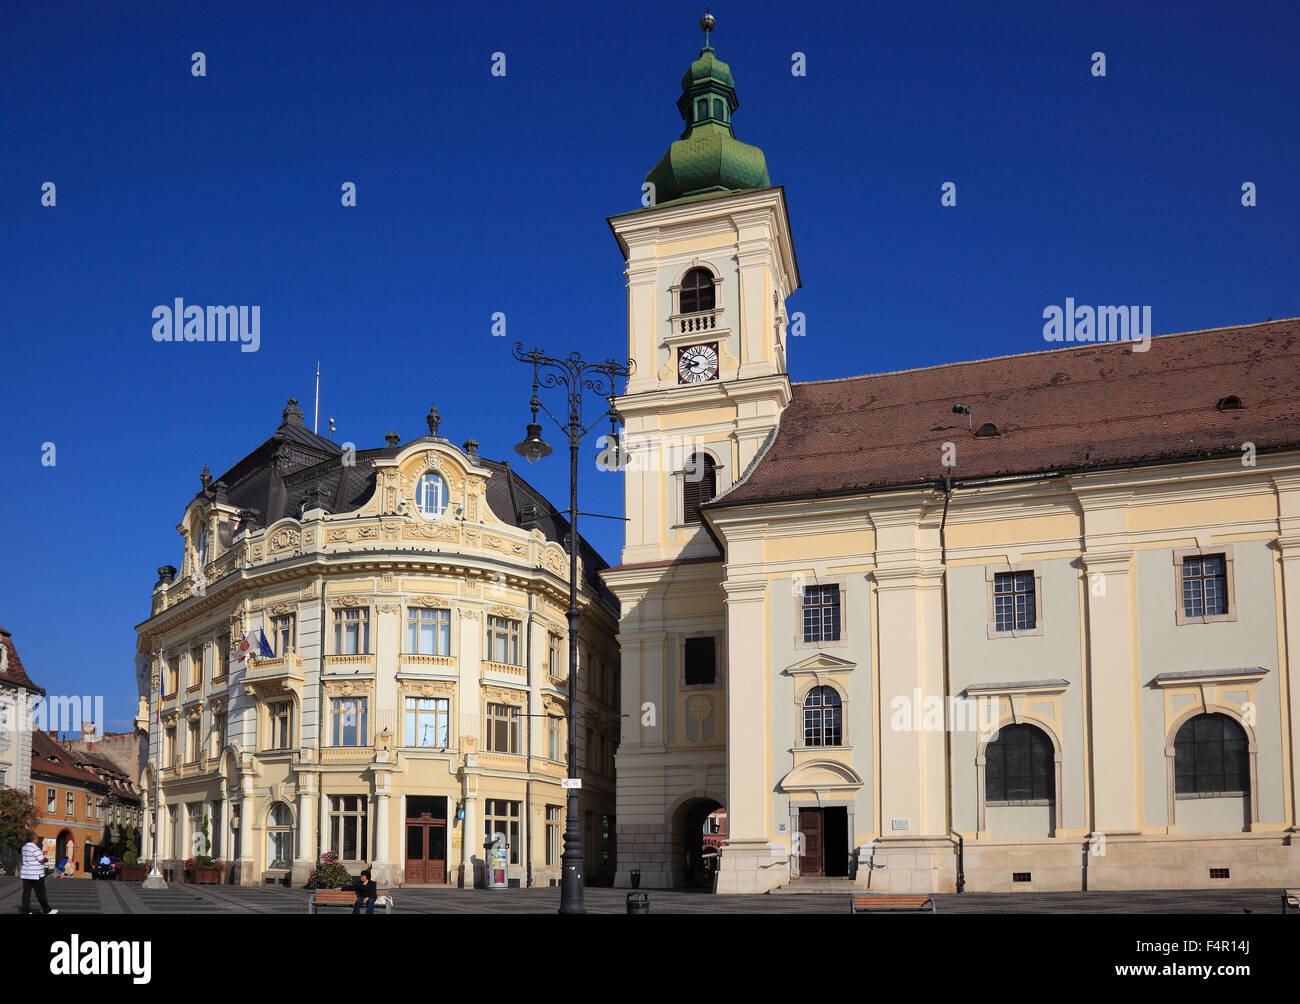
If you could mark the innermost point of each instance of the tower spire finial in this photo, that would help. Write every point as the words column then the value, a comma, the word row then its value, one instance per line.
column 707, row 22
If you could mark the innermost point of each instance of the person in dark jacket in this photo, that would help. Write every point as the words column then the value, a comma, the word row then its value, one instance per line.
column 367, row 892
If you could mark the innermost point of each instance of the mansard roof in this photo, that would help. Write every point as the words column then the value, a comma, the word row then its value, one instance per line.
column 296, row 463
column 1191, row 396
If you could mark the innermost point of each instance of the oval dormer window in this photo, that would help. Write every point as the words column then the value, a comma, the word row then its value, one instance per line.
column 203, row 547
column 431, row 496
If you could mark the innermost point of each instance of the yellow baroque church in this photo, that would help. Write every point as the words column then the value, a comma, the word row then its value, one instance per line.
column 366, row 653
column 1011, row 624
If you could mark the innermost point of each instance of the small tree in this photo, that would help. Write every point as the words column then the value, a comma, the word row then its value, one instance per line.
column 17, row 817
column 131, row 856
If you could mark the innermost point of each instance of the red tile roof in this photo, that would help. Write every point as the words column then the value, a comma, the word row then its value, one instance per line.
column 48, row 757
column 13, row 672
column 1071, row 409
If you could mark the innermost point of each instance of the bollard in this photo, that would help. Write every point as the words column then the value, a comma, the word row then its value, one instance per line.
column 638, row 902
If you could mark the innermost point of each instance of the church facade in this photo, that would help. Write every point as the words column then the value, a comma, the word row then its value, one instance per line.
column 1012, row 624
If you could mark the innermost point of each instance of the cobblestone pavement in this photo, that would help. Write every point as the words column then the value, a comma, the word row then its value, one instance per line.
column 83, row 896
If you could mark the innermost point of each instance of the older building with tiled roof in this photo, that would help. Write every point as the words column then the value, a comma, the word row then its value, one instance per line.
column 365, row 652
column 1024, row 623
column 19, row 697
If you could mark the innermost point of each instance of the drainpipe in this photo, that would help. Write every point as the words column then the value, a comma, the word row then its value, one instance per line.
column 321, row 718
column 947, row 682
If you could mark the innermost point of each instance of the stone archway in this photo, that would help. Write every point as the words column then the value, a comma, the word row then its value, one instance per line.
column 690, row 867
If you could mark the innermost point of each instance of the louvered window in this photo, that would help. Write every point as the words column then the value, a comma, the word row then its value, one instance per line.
column 699, row 485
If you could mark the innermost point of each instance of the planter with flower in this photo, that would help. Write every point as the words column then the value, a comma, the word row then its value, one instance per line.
column 203, row 869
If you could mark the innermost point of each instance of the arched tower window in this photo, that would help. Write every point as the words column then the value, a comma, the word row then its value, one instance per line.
column 822, row 724
column 1210, row 757
column 699, row 485
column 697, row 291
column 1020, row 765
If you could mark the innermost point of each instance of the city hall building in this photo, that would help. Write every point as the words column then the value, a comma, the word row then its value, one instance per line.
column 1016, row 623
column 367, row 653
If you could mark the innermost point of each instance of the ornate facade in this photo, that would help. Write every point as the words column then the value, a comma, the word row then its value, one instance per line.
column 1020, row 623
column 411, row 699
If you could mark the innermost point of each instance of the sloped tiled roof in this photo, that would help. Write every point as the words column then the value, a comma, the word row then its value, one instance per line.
column 1065, row 410
column 13, row 672
column 48, row 757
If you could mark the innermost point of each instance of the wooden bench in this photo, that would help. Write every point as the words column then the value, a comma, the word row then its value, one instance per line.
column 345, row 897
column 881, row 902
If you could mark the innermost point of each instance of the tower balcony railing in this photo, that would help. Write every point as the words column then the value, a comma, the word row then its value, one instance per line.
column 701, row 322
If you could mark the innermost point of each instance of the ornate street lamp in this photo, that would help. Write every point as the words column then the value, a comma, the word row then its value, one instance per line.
column 576, row 377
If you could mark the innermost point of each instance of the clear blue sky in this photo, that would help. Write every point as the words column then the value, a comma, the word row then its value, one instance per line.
column 479, row 194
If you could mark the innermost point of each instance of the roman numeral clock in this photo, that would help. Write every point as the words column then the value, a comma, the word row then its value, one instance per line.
column 697, row 363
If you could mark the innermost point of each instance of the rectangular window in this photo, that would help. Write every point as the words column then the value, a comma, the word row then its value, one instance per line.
column 284, row 634
column 426, row 721
column 223, row 655
column 218, row 732
column 196, row 666
column 821, row 613
column 90, row 806
column 194, row 812
column 428, row 631
column 216, row 828
column 588, row 752
column 554, row 744
column 174, row 830
column 502, row 641
column 1205, row 586
column 700, row 662
column 51, row 799
column 348, row 718
column 554, row 667
column 173, row 680
column 281, row 722
column 350, row 827
column 552, row 835
column 351, row 631
column 169, row 746
column 192, row 741
column 502, row 732
column 501, row 816
column 1014, row 607
column 70, row 807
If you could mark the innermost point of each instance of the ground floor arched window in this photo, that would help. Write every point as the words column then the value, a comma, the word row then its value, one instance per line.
column 1210, row 757
column 279, row 836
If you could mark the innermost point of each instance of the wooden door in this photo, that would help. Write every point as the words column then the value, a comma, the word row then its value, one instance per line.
column 426, row 850
column 812, row 861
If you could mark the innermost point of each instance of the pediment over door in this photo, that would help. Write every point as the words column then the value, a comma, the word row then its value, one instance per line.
column 821, row 776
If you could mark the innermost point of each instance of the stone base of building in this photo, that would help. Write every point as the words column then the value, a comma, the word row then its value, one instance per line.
column 752, row 866
column 1133, row 862
column 648, row 848
column 908, row 864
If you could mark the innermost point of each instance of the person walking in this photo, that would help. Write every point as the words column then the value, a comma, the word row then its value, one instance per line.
column 367, row 892
column 32, row 873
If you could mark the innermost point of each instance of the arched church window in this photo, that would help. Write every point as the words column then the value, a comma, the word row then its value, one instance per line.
column 1210, row 757
column 822, row 724
column 697, row 291
column 1019, row 765
column 717, row 108
column 699, row 485
column 701, row 110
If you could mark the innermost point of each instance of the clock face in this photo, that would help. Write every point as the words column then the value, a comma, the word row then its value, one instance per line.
column 697, row 363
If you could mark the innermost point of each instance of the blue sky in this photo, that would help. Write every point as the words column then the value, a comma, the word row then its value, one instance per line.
column 478, row 194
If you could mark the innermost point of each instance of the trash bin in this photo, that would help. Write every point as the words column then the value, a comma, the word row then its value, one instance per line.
column 638, row 902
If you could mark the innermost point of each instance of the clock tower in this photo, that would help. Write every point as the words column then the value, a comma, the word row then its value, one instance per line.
column 710, row 263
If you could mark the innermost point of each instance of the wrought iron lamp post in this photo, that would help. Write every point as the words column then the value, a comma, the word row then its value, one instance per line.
column 576, row 377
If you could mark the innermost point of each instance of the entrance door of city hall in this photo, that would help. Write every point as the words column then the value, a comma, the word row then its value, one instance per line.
column 426, row 840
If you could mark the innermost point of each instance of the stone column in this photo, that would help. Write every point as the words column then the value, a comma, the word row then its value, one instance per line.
column 247, row 854
column 470, row 835
column 1288, row 546
column 304, row 859
column 751, row 862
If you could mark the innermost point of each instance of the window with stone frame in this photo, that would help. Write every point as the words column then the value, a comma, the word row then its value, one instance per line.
column 196, row 666
column 1204, row 585
column 352, row 631
column 698, row 290
column 502, row 732
column 284, row 634
column 700, row 661
column 280, row 725
column 350, row 827
column 821, row 613
column 502, row 816
column 223, row 655
column 502, row 640
column 428, row 631
column 427, row 722
column 348, row 721
column 1014, row 607
column 192, row 743
column 699, row 479
column 823, row 718
column 1019, row 766
column 1211, row 757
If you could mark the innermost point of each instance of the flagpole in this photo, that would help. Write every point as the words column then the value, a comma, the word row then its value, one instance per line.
column 315, row 417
